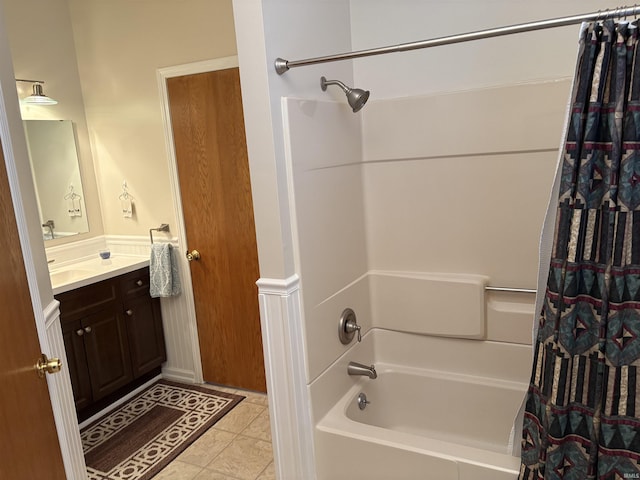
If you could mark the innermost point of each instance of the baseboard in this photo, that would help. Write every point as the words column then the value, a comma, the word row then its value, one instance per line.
column 179, row 375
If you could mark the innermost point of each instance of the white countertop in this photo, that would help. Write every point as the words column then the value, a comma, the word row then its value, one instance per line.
column 80, row 274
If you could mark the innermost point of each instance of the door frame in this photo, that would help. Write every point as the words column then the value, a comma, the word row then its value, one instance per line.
column 45, row 307
column 162, row 74
column 292, row 426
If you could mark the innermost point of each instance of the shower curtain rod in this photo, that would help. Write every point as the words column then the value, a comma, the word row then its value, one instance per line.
column 283, row 65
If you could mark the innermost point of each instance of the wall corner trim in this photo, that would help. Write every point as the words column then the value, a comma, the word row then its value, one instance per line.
column 274, row 286
column 285, row 367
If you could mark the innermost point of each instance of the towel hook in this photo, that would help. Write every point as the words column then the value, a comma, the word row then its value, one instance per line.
column 125, row 195
column 71, row 195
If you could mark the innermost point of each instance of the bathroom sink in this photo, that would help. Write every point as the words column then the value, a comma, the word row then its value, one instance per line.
column 78, row 274
column 66, row 276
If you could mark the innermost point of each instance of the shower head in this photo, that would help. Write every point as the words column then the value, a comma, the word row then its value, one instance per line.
column 355, row 96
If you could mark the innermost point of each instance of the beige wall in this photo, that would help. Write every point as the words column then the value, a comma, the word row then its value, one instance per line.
column 99, row 60
column 120, row 44
column 42, row 48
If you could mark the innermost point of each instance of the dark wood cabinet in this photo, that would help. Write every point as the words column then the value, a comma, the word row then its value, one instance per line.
column 113, row 335
column 143, row 322
column 77, row 363
column 107, row 350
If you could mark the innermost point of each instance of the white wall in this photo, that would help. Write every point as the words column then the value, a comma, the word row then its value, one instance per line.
column 533, row 56
column 459, row 183
column 271, row 29
column 266, row 30
column 326, row 182
column 461, row 144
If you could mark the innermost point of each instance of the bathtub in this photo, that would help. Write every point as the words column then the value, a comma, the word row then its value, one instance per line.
column 440, row 409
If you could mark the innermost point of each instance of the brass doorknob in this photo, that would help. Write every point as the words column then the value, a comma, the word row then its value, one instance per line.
column 193, row 255
column 47, row 365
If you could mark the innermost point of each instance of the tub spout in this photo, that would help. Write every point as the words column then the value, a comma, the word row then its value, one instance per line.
column 359, row 369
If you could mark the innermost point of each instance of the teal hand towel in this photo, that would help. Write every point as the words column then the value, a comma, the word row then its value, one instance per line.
column 163, row 270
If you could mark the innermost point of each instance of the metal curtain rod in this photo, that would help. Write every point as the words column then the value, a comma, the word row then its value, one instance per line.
column 283, row 65
column 510, row 289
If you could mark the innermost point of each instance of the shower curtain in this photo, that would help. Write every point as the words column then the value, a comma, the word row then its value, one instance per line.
column 582, row 413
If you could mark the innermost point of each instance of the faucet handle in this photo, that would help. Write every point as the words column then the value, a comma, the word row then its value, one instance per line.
column 347, row 326
column 353, row 327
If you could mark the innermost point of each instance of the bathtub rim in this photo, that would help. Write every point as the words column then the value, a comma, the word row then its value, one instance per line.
column 336, row 422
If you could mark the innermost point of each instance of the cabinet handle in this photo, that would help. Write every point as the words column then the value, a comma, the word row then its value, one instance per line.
column 139, row 283
column 87, row 329
column 79, row 332
column 129, row 312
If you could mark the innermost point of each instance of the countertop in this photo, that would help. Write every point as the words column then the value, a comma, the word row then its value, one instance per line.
column 80, row 274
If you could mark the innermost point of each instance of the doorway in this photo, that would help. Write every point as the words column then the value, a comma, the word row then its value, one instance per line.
column 204, row 110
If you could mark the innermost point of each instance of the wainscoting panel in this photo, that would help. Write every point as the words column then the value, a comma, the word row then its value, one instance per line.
column 63, row 403
column 289, row 402
column 178, row 317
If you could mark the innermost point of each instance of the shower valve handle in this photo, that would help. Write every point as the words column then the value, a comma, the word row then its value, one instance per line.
column 351, row 326
column 348, row 326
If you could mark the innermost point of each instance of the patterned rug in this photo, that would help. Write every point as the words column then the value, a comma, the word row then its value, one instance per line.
column 138, row 439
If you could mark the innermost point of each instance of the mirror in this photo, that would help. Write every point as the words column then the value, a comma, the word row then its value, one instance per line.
column 56, row 175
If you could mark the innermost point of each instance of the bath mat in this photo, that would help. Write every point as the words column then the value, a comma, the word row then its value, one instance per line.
column 141, row 437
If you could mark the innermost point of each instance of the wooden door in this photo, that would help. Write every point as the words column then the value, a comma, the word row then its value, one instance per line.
column 213, row 169
column 29, row 445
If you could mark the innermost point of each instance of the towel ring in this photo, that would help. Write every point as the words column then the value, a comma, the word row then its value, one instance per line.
column 162, row 228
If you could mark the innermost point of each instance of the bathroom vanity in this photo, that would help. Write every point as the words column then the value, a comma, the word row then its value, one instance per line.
column 113, row 337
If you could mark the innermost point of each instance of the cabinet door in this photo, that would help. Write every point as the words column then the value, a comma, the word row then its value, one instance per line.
column 73, row 334
column 105, row 341
column 144, row 331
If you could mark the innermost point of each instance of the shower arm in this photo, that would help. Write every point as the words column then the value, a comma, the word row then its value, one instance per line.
column 282, row 65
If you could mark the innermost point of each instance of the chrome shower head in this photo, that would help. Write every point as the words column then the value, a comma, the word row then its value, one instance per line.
column 355, row 96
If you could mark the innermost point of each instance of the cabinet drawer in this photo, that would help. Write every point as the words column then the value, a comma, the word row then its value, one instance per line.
column 86, row 300
column 134, row 284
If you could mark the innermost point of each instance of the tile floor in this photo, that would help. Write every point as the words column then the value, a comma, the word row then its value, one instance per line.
column 238, row 447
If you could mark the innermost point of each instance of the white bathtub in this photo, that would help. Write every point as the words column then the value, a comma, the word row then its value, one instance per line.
column 440, row 409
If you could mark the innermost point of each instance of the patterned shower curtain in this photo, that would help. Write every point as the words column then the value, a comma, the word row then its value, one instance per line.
column 582, row 416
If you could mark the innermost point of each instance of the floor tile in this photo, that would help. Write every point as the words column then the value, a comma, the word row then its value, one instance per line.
column 254, row 397
column 269, row 473
column 238, row 447
column 207, row 474
column 239, row 418
column 251, row 397
column 177, row 470
column 245, row 458
column 260, row 427
column 205, row 449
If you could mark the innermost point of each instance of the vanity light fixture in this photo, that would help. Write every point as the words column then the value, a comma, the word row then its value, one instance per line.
column 37, row 97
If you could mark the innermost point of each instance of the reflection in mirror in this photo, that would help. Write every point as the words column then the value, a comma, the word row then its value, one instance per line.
column 56, row 175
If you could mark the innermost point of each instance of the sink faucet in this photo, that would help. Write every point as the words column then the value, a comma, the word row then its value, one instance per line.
column 355, row 368
column 50, row 225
